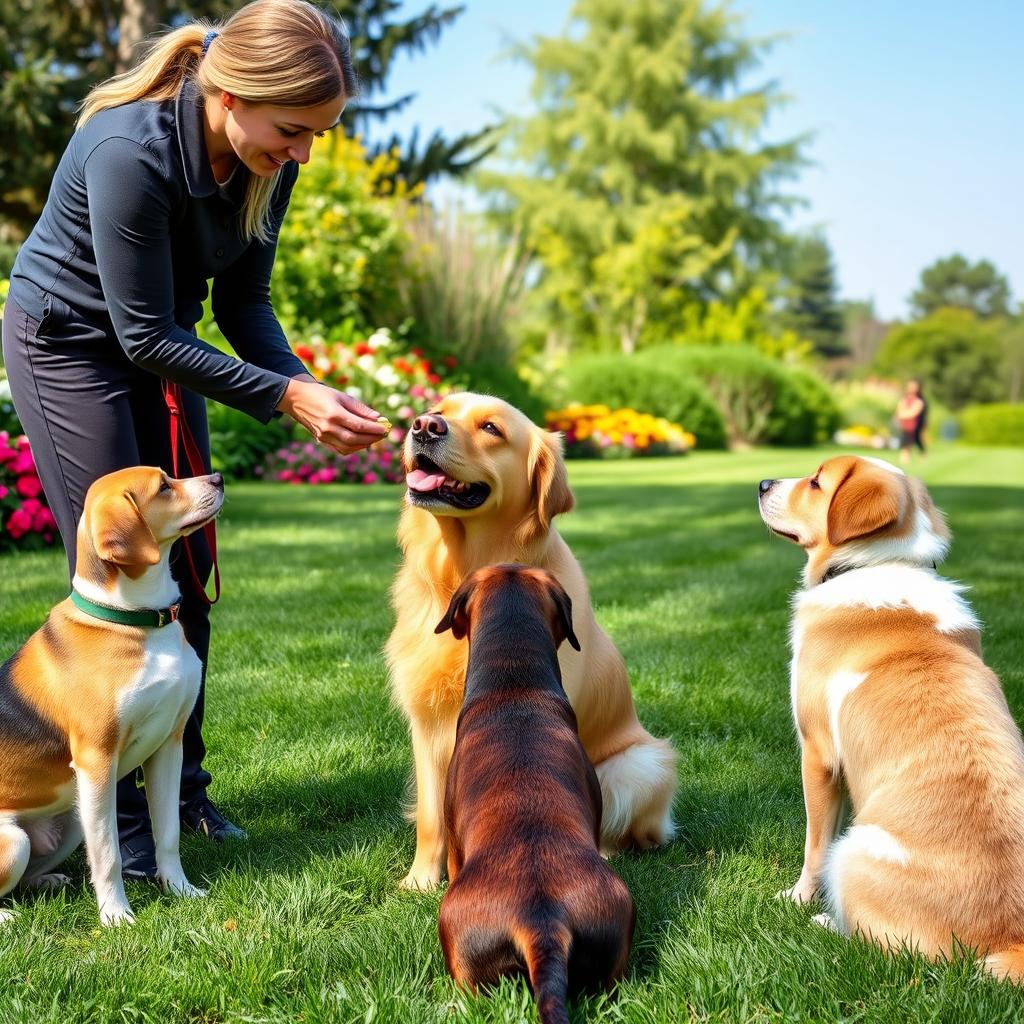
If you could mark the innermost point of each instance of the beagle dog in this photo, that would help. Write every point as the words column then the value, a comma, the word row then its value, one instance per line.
column 104, row 686
column 529, row 892
column 893, row 702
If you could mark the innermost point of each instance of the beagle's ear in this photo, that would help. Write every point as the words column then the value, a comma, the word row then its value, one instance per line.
column 457, row 617
column 121, row 535
column 561, row 624
column 867, row 500
column 549, row 484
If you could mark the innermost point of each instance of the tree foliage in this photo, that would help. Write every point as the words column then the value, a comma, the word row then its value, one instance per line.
column 811, row 308
column 954, row 282
column 643, row 181
column 956, row 356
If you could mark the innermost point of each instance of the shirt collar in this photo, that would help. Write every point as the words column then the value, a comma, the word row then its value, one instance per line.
column 188, row 116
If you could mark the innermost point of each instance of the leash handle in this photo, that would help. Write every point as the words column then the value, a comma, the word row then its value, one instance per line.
column 197, row 467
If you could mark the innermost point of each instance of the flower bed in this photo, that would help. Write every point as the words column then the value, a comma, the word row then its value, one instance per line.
column 25, row 519
column 596, row 431
column 861, row 436
column 401, row 383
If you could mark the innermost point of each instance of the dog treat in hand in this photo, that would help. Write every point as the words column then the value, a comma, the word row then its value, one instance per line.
column 385, row 423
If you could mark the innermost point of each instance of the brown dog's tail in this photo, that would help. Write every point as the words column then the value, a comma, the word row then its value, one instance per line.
column 1008, row 964
column 545, row 949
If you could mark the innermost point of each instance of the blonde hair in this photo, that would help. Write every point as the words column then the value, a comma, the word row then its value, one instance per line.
column 284, row 52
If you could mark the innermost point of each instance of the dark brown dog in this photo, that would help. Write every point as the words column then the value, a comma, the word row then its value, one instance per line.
column 529, row 892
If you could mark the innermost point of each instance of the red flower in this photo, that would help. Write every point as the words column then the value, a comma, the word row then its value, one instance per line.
column 433, row 378
column 19, row 524
column 451, row 361
column 29, row 486
column 305, row 352
column 362, row 349
column 43, row 521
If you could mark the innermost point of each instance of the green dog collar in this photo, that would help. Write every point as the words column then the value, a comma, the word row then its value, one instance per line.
column 152, row 618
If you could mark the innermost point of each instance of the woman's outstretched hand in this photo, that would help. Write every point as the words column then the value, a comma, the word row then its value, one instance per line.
column 333, row 418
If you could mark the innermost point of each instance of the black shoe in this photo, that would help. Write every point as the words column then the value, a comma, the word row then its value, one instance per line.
column 138, row 858
column 200, row 816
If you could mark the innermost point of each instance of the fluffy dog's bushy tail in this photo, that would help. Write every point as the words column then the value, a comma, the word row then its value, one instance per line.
column 545, row 949
column 1008, row 964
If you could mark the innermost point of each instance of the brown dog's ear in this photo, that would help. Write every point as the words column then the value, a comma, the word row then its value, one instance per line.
column 457, row 617
column 866, row 500
column 549, row 484
column 121, row 535
column 561, row 625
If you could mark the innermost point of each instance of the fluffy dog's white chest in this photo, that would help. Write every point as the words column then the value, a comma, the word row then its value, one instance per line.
column 166, row 688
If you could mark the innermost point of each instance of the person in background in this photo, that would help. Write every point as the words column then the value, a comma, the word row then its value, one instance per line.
column 178, row 172
column 911, row 416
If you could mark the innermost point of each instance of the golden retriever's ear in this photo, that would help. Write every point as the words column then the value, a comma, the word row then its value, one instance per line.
column 549, row 484
column 561, row 625
column 457, row 617
column 866, row 500
column 121, row 535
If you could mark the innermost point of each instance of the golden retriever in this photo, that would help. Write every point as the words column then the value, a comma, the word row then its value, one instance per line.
column 892, row 699
column 484, row 484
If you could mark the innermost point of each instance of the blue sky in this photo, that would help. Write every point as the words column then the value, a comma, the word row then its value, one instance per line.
column 916, row 109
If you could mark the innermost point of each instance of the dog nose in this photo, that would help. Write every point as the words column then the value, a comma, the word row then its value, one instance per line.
column 764, row 486
column 217, row 480
column 429, row 427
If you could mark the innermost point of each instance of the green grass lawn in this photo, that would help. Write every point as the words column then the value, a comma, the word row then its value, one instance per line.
column 305, row 923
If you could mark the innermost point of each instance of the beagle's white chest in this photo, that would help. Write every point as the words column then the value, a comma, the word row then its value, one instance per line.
column 164, row 690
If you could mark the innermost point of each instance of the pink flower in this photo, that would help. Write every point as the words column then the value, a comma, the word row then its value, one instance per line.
column 285, row 476
column 43, row 521
column 370, row 478
column 23, row 462
column 417, row 391
column 3, row 492
column 6, row 453
column 328, row 475
column 19, row 524
column 29, row 486
column 31, row 505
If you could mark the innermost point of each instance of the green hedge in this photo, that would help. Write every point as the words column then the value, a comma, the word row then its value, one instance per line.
column 761, row 401
column 627, row 382
column 998, row 423
column 239, row 444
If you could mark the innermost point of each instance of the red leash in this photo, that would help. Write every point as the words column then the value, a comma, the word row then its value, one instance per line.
column 197, row 467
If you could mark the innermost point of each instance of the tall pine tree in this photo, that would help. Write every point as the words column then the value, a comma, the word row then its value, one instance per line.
column 645, row 183
column 812, row 308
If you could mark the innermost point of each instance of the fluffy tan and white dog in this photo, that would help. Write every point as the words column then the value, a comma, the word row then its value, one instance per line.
column 484, row 484
column 893, row 701
column 104, row 686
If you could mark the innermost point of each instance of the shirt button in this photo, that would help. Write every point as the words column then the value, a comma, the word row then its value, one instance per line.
column 219, row 253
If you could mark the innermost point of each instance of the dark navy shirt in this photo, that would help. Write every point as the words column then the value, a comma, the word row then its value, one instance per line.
column 134, row 226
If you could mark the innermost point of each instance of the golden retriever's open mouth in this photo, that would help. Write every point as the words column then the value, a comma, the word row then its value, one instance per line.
column 429, row 485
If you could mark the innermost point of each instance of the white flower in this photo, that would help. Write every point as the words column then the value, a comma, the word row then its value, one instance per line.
column 5, row 389
column 367, row 364
column 354, row 392
column 394, row 401
column 322, row 363
column 386, row 376
column 379, row 339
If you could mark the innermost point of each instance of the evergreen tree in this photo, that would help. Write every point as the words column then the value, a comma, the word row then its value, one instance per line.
column 811, row 307
column 956, row 283
column 645, row 183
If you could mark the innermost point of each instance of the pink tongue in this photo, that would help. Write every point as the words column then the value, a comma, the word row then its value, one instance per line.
column 418, row 480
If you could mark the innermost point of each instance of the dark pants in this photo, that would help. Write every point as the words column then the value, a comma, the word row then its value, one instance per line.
column 87, row 412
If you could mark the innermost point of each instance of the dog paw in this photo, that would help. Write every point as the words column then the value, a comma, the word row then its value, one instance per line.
column 826, row 921
column 112, row 917
column 802, row 892
column 419, row 881
column 182, row 887
column 50, row 881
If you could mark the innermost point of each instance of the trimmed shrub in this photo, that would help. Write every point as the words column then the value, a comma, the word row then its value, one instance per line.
column 760, row 400
column 997, row 424
column 638, row 383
